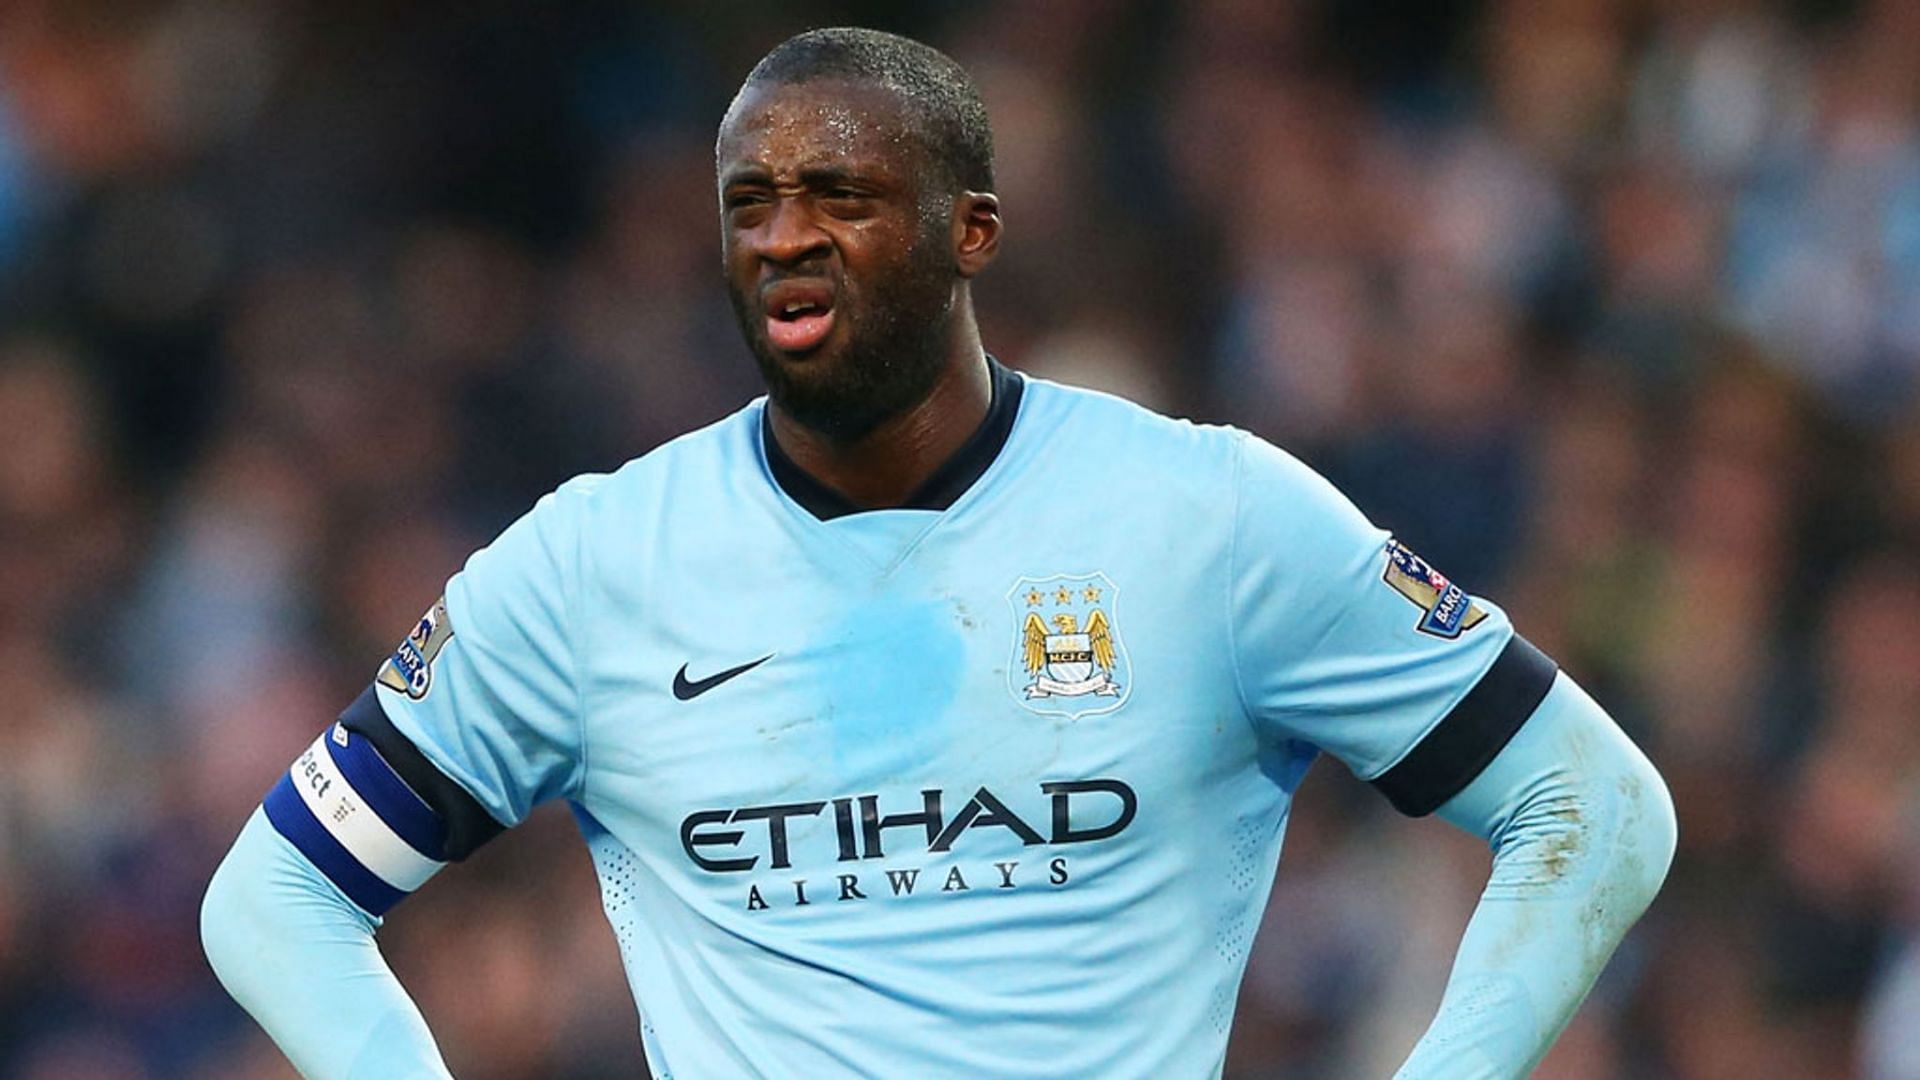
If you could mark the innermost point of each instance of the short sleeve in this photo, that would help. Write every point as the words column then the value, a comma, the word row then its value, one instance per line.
column 1346, row 639
column 485, row 684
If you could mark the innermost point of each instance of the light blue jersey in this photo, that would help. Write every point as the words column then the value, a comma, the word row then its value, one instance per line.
column 991, row 789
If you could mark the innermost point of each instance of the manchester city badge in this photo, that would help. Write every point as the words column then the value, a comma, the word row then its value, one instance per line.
column 1068, row 659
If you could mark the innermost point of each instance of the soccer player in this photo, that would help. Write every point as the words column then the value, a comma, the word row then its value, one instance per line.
column 924, row 719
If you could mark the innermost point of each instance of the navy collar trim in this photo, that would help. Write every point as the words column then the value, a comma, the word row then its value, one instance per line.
column 940, row 490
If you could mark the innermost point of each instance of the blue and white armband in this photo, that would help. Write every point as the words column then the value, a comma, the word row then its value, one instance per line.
column 350, row 813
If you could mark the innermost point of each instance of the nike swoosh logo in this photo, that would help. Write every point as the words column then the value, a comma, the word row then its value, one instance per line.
column 687, row 691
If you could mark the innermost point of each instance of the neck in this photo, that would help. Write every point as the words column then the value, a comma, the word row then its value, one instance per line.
column 888, row 464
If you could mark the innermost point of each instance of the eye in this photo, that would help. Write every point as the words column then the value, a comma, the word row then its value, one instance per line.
column 741, row 200
column 847, row 202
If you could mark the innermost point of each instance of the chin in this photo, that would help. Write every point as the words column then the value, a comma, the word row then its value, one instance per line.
column 824, row 394
column 851, row 383
column 813, row 370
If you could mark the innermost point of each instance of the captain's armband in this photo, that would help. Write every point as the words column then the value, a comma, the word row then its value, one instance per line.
column 357, row 821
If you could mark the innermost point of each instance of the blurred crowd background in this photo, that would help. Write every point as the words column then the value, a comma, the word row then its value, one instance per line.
column 1610, row 308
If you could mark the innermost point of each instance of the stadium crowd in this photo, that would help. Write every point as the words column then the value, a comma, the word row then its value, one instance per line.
column 1609, row 308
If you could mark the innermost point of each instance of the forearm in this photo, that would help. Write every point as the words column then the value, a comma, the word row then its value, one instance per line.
column 301, row 959
column 1583, row 831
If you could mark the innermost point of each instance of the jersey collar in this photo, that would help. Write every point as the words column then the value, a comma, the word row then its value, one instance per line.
column 939, row 491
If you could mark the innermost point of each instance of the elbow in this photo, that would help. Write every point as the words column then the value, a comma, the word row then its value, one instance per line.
column 242, row 917
column 1659, row 828
column 223, row 927
column 1646, row 835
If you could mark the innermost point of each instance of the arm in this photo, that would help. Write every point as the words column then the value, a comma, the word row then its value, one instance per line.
column 472, row 722
column 1348, row 641
column 1582, row 831
column 300, row 957
column 289, row 917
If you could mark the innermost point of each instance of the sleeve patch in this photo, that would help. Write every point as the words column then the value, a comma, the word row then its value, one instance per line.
column 410, row 669
column 1447, row 610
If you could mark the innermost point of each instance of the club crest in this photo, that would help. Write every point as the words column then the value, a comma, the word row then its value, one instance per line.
column 1068, row 659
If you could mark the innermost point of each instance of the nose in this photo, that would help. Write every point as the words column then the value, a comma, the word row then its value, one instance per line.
column 789, row 234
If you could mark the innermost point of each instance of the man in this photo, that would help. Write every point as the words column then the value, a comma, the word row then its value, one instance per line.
column 926, row 719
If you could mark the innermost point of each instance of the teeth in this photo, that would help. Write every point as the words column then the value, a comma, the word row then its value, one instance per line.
column 798, row 306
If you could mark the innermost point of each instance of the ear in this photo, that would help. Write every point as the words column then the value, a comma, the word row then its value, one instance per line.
column 976, row 231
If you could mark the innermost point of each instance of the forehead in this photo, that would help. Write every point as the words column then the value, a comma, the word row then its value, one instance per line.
column 786, row 127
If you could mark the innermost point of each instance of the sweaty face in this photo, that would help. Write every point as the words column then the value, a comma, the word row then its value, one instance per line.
column 836, row 243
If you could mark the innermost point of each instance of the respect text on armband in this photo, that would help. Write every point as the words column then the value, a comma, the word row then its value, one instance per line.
column 313, row 774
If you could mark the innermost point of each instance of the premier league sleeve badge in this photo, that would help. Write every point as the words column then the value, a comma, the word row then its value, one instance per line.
column 1446, row 607
column 410, row 669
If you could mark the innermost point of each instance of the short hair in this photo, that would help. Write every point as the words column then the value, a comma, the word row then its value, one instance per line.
column 940, row 95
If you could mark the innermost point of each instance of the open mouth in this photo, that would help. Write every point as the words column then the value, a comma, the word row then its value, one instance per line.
column 799, row 314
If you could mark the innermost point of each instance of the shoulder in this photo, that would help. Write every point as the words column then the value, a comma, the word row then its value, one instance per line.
column 1116, row 434
column 1124, row 433
column 687, row 472
column 1206, row 471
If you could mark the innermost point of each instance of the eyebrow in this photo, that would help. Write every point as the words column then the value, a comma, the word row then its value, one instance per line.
column 813, row 176
column 826, row 175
